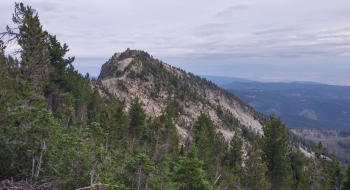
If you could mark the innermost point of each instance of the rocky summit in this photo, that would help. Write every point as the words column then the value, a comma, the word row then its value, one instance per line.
column 135, row 73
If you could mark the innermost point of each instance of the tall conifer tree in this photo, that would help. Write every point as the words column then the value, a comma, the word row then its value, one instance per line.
column 137, row 117
column 254, row 171
column 35, row 61
column 274, row 145
column 235, row 154
column 188, row 174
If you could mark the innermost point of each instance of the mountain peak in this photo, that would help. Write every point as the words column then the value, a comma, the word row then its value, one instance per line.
column 135, row 73
column 119, row 61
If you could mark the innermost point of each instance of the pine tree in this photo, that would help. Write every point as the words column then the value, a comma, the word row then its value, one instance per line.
column 33, row 140
column 171, row 137
column 137, row 118
column 35, row 62
column 254, row 171
column 274, row 145
column 58, row 67
column 4, row 116
column 94, row 107
column 300, row 173
column 318, row 176
column 235, row 154
column 4, row 80
column 113, row 120
column 188, row 174
column 163, row 175
column 139, row 168
column 334, row 171
column 211, row 146
column 346, row 181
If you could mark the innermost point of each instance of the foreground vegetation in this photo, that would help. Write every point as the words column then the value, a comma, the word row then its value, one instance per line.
column 57, row 132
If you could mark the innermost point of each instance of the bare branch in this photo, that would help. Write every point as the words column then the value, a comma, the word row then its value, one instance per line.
column 237, row 187
column 217, row 179
column 28, row 184
column 98, row 185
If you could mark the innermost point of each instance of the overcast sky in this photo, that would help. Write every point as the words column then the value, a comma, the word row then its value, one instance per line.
column 266, row 40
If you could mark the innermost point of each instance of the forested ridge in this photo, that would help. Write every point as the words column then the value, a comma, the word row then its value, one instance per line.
column 61, row 130
column 311, row 109
column 299, row 105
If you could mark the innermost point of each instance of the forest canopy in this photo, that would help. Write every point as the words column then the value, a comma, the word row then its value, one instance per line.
column 58, row 132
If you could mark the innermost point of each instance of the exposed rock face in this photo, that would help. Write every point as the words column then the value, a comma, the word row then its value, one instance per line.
column 135, row 73
column 117, row 62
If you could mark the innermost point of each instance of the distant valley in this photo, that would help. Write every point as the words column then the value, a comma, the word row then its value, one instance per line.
column 299, row 104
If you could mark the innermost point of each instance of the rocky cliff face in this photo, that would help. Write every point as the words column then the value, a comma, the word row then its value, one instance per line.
column 135, row 73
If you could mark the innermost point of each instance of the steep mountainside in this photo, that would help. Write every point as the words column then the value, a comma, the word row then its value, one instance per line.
column 135, row 73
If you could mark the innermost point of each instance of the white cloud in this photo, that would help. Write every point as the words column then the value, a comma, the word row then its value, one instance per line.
column 232, row 9
column 222, row 30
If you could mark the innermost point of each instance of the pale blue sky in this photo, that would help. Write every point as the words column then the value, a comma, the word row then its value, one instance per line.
column 270, row 40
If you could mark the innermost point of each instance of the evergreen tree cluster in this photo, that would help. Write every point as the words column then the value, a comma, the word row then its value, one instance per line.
column 57, row 132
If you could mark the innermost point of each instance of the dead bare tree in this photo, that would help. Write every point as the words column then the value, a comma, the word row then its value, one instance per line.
column 99, row 185
column 28, row 185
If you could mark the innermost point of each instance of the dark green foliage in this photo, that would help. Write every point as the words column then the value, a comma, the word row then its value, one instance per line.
column 114, row 123
column 274, row 145
column 9, row 92
column 235, row 154
column 334, row 170
column 58, row 77
column 162, row 175
column 346, row 182
column 94, row 107
column 137, row 118
column 300, row 174
column 253, row 176
column 35, row 63
column 164, row 133
column 28, row 142
column 34, row 143
column 139, row 170
column 249, row 134
column 227, row 117
column 122, row 86
column 188, row 174
column 211, row 146
column 318, row 174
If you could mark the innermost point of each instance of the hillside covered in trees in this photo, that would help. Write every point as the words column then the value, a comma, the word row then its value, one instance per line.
column 141, row 125
column 312, row 109
column 300, row 105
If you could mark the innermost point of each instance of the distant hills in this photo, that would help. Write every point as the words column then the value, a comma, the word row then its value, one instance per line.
column 299, row 104
column 219, row 80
